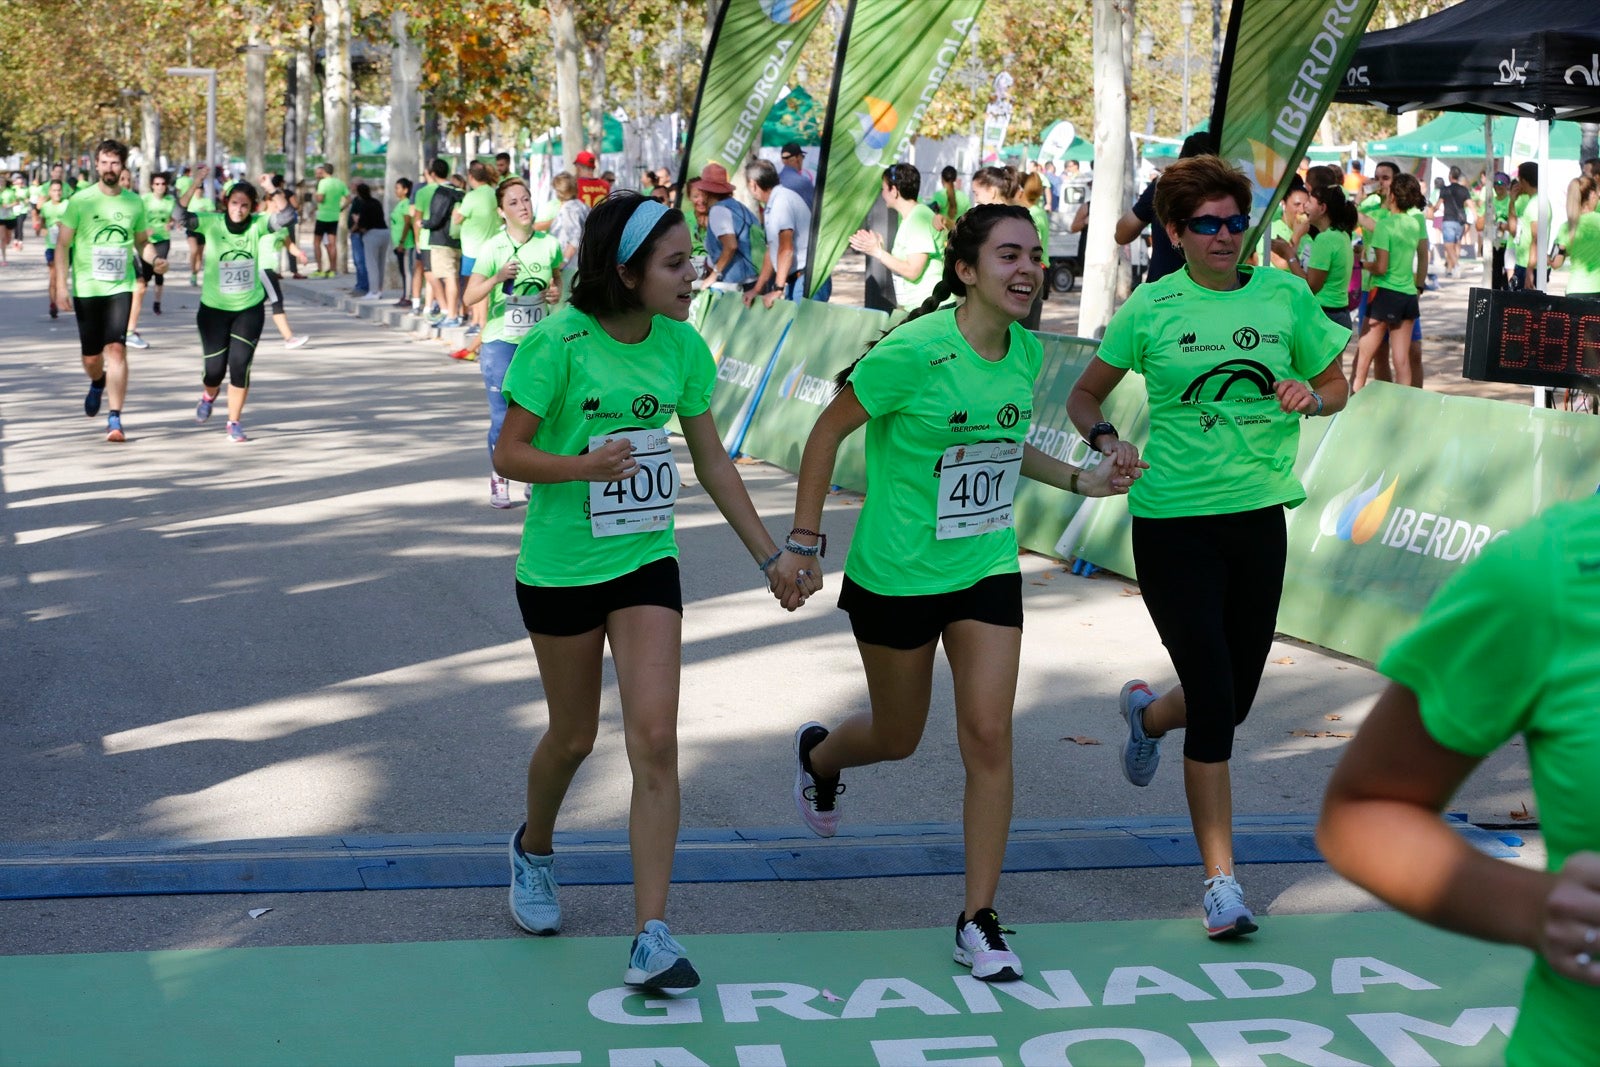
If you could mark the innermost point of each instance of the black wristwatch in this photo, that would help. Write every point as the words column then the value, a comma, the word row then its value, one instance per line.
column 1097, row 430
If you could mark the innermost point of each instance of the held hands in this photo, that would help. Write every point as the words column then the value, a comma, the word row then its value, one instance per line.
column 611, row 462
column 1123, row 456
column 1107, row 478
column 1296, row 397
column 793, row 579
column 1569, row 938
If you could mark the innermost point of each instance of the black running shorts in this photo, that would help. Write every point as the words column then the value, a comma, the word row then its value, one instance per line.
column 907, row 622
column 569, row 610
column 102, row 320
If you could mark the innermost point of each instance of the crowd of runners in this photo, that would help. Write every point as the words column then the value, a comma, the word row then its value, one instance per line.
column 580, row 312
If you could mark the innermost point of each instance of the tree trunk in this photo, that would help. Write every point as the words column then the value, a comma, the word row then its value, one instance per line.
column 305, row 76
column 569, row 103
column 595, row 48
column 1588, row 148
column 404, row 159
column 255, row 107
column 336, row 100
column 150, row 119
column 1102, row 264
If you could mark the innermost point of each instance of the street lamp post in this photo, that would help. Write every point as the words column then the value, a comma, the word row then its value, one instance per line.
column 1186, row 16
column 210, row 74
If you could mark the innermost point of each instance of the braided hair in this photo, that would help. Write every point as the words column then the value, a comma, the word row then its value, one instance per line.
column 965, row 243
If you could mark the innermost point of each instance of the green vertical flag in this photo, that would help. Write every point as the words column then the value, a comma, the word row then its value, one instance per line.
column 1277, row 78
column 892, row 58
column 754, row 49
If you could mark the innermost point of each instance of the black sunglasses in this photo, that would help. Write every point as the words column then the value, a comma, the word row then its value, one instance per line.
column 1207, row 225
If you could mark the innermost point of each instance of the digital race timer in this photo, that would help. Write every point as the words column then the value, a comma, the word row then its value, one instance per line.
column 1530, row 338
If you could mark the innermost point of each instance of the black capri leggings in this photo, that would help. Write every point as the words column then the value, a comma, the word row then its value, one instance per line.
column 1212, row 585
column 228, row 339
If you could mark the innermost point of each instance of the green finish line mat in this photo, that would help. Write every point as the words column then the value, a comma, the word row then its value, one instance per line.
column 1368, row 988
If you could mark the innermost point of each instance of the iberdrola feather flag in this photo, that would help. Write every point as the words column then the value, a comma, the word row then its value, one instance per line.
column 1277, row 78
column 892, row 58
column 754, row 49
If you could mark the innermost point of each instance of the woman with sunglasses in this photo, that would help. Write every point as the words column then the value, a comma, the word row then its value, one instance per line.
column 518, row 272
column 1231, row 357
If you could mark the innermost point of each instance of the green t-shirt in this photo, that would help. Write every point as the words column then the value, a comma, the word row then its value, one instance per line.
column 939, row 202
column 1583, row 256
column 582, row 383
column 697, row 233
column 268, row 246
column 38, row 192
column 1219, row 443
column 232, row 278
column 158, row 212
column 540, row 259
column 103, row 231
column 11, row 201
column 1400, row 233
column 928, row 392
column 480, row 218
column 916, row 234
column 419, row 207
column 1522, row 242
column 51, row 212
column 1373, row 206
column 1511, row 645
column 552, row 207
column 200, row 204
column 181, row 186
column 1331, row 252
column 1282, row 231
column 400, row 235
column 83, row 182
column 1041, row 222
column 332, row 190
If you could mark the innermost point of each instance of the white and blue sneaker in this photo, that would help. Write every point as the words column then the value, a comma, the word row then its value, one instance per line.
column 533, row 889
column 816, row 799
column 1226, row 914
column 1141, row 754
column 981, row 945
column 657, row 961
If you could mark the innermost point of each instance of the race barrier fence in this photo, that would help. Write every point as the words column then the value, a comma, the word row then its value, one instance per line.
column 1403, row 487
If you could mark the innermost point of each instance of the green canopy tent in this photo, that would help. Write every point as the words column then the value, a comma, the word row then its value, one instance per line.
column 793, row 119
column 550, row 143
column 1459, row 135
column 1158, row 150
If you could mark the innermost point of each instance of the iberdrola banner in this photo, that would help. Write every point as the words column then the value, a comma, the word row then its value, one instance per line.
column 754, row 49
column 1277, row 78
column 889, row 69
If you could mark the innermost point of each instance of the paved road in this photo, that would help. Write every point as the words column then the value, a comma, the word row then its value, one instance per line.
column 315, row 633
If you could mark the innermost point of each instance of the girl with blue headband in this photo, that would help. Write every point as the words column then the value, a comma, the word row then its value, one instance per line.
column 588, row 395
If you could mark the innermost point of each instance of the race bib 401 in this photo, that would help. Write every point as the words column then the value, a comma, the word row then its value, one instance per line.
column 977, row 483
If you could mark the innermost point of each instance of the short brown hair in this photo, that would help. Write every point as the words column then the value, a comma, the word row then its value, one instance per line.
column 1406, row 192
column 1032, row 189
column 1188, row 183
column 564, row 185
column 480, row 172
column 505, row 186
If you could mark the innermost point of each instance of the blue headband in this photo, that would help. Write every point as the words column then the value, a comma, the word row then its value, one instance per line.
column 640, row 223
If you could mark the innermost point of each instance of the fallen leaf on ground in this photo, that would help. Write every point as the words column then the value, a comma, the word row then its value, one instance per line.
column 1130, row 592
column 1285, row 660
column 256, row 913
column 1522, row 812
column 1316, row 733
column 1036, row 583
column 1081, row 740
column 1333, row 718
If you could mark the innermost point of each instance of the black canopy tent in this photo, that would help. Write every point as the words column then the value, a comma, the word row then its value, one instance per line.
column 1528, row 58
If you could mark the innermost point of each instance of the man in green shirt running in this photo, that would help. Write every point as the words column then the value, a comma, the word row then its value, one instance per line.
column 332, row 197
column 104, row 229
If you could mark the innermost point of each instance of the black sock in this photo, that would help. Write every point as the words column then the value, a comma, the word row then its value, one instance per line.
column 116, row 413
column 99, row 383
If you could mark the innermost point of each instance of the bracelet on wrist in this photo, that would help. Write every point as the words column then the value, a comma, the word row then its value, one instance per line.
column 769, row 561
column 791, row 545
column 819, row 549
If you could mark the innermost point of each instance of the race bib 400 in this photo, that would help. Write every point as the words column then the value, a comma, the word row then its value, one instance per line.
column 644, row 502
column 977, row 484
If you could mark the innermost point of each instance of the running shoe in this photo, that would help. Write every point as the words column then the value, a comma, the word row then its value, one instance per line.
column 1141, row 754
column 403, row 302
column 657, row 961
column 499, row 492
column 297, row 277
column 452, row 323
column 114, row 428
column 135, row 341
column 296, row 342
column 533, row 889
column 202, row 410
column 91, row 403
column 374, row 295
column 236, row 433
column 981, row 945
column 1226, row 914
column 815, row 798
column 474, row 330
column 465, row 354
column 158, row 307
column 194, row 280
column 54, row 311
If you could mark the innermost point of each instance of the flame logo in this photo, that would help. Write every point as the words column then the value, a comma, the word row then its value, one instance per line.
column 789, row 11
column 791, row 381
column 877, row 124
column 1360, row 514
